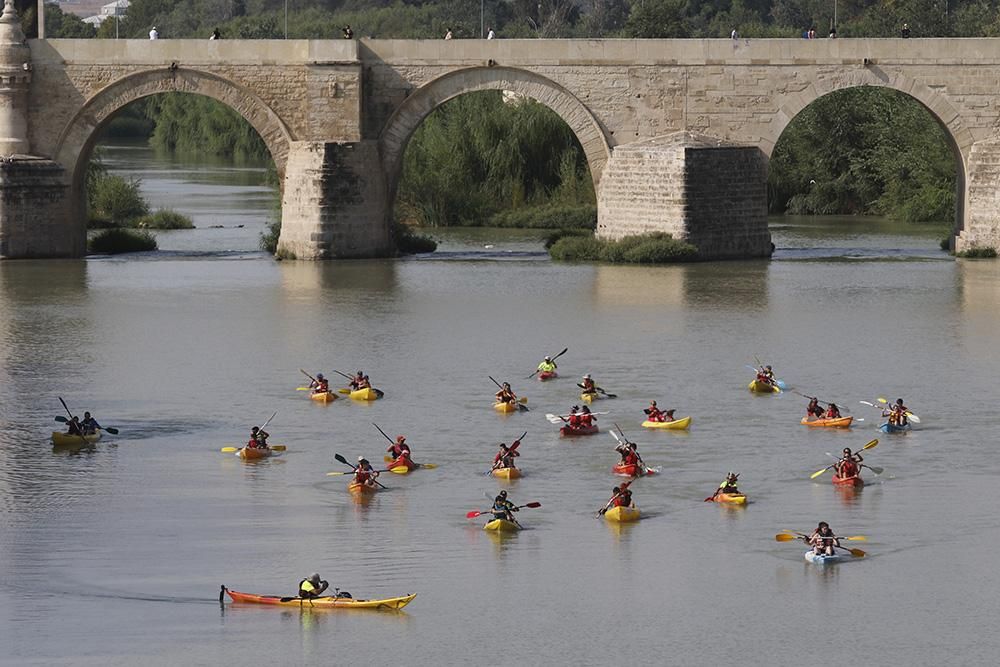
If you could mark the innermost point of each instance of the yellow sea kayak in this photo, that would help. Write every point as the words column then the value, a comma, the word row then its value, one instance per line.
column 678, row 424
column 323, row 396
column 358, row 489
column 622, row 514
column 254, row 453
column 759, row 387
column 366, row 394
column 322, row 602
column 502, row 526
column 507, row 473
column 60, row 439
column 589, row 397
column 731, row 498
column 505, row 407
column 838, row 422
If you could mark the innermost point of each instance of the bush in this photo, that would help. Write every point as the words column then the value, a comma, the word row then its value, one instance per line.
column 114, row 201
column 269, row 237
column 165, row 219
column 656, row 248
column 115, row 241
column 552, row 216
column 551, row 239
column 946, row 244
column 983, row 252
column 410, row 243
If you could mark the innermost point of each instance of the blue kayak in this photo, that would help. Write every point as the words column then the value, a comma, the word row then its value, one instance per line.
column 893, row 428
column 822, row 559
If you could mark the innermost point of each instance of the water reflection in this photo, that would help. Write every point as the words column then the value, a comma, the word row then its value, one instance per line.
column 741, row 286
column 618, row 285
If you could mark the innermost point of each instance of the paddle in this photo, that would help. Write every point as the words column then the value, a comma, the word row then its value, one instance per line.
column 355, row 468
column 521, row 401
column 598, row 390
column 339, row 473
column 474, row 513
column 857, row 553
column 565, row 350
column 780, row 384
column 309, row 376
column 514, row 445
column 66, row 408
column 717, row 491
column 109, row 429
column 557, row 419
column 429, row 466
column 615, row 497
column 875, row 469
column 912, row 417
column 230, row 448
column 791, row 535
column 348, row 390
column 870, row 445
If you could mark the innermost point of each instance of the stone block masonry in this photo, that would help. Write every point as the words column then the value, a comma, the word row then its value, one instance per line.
column 33, row 213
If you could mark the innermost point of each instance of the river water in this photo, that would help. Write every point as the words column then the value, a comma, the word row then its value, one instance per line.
column 114, row 554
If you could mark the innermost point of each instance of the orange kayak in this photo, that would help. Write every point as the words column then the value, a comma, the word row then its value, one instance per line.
column 839, row 422
column 854, row 481
column 359, row 489
column 253, row 453
column 321, row 602
column 507, row 473
column 732, row 498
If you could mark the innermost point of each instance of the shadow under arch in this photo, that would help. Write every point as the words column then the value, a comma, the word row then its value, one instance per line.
column 958, row 136
column 77, row 139
column 411, row 113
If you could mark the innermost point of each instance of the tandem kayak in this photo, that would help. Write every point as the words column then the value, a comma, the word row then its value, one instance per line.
column 254, row 453
column 323, row 396
column 854, row 480
column 893, row 428
column 507, row 473
column 759, row 387
column 822, row 559
column 678, row 424
column 359, row 489
column 502, row 526
column 731, row 498
column 622, row 514
column 505, row 407
column 568, row 431
column 366, row 394
column 61, row 439
column 322, row 602
column 632, row 470
column 839, row 422
column 547, row 375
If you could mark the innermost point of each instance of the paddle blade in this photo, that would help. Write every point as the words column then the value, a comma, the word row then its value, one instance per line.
column 229, row 450
column 473, row 514
column 532, row 505
column 278, row 448
column 335, row 474
column 856, row 538
column 429, row 466
column 857, row 553
column 870, row 445
column 913, row 418
column 523, row 400
column 818, row 473
column 303, row 388
column 565, row 350
column 785, row 537
column 341, row 459
column 60, row 418
column 876, row 469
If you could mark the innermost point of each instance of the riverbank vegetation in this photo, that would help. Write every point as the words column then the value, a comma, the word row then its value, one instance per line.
column 655, row 248
column 116, row 241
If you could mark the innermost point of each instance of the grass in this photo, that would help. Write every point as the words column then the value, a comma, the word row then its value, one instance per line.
column 165, row 219
column 117, row 241
column 551, row 216
column 656, row 248
column 983, row 252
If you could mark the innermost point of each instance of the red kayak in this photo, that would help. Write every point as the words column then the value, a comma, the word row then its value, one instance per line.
column 854, row 481
column 567, row 431
column 401, row 462
column 547, row 375
column 632, row 470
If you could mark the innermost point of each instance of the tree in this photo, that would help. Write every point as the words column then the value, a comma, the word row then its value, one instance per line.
column 656, row 19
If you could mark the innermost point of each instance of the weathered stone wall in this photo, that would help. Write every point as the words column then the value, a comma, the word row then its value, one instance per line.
column 696, row 188
column 32, row 210
column 982, row 226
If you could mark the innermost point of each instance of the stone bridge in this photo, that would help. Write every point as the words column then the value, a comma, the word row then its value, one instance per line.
column 677, row 133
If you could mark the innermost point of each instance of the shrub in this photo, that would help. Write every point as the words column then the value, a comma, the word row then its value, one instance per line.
column 410, row 243
column 946, row 244
column 979, row 252
column 165, row 219
column 551, row 239
column 552, row 216
column 115, row 241
column 269, row 237
column 656, row 248
column 114, row 200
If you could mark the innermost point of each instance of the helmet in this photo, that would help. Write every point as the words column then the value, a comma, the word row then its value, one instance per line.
column 586, row 409
column 847, row 450
column 314, row 577
column 360, row 459
column 615, row 490
column 548, row 358
column 899, row 401
column 767, row 368
column 653, row 403
column 587, row 376
column 319, row 376
column 503, row 494
column 253, row 430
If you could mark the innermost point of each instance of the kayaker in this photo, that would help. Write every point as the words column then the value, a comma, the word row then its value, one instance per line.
column 574, row 417
column 833, row 412
column 356, row 380
column 814, row 409
column 849, row 464
column 586, row 419
column 503, row 508
column 364, row 383
column 320, row 385
column 588, row 385
column 766, row 375
column 622, row 496
column 364, row 473
column 506, row 395
column 668, row 416
column 258, row 438
column 89, row 424
column 73, row 426
column 653, row 413
column 397, row 448
column 728, row 485
column 900, row 410
column 312, row 586
column 505, row 457
column 823, row 540
column 547, row 366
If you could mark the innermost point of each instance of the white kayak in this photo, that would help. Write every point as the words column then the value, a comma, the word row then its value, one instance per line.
column 822, row 559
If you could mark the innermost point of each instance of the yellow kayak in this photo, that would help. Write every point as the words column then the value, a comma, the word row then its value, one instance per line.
column 731, row 498
column 359, row 489
column 678, row 424
column 507, row 473
column 759, row 387
column 323, row 396
column 589, row 397
column 622, row 514
column 322, row 602
column 61, row 439
column 366, row 394
column 502, row 526
column 505, row 407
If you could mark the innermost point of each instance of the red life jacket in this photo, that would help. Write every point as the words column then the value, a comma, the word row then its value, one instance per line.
column 631, row 459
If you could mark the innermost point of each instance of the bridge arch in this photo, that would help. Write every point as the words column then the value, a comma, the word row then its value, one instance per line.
column 407, row 117
column 76, row 141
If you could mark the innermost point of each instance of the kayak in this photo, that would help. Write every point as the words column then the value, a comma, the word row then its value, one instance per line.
column 732, row 498
column 502, row 526
column 254, row 453
column 622, row 514
column 854, row 481
column 61, row 439
column 759, row 387
column 822, row 559
column 366, row 394
column 567, row 431
column 631, row 470
column 678, row 424
column 893, row 428
column 323, row 602
column 400, row 466
column 507, row 473
column 590, row 397
column 323, row 396
column 358, row 489
column 839, row 422
column 547, row 375
column 505, row 407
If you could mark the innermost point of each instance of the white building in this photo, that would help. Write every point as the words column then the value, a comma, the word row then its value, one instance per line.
column 110, row 10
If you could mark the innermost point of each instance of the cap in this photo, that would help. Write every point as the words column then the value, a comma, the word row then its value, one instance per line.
column 314, row 577
column 360, row 459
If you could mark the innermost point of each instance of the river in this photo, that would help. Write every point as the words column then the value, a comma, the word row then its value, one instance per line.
column 114, row 554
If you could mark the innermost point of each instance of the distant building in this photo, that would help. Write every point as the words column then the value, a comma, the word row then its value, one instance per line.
column 110, row 10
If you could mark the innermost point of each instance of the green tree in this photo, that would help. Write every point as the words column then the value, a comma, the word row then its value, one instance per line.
column 656, row 19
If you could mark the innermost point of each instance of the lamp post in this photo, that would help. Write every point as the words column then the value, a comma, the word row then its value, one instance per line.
column 286, row 19
column 41, row 19
column 482, row 18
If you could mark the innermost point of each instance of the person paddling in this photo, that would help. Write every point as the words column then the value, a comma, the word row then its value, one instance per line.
column 849, row 464
column 814, row 409
column 899, row 411
column 258, row 438
column 766, row 375
column 506, row 394
column 823, row 540
column 320, row 385
column 312, row 586
column 399, row 447
column 832, row 412
column 573, row 420
column 621, row 497
column 356, row 381
column 503, row 508
column 653, row 413
column 73, row 426
column 728, row 485
column 588, row 386
column 505, row 457
column 547, row 366
column 586, row 419
column 364, row 473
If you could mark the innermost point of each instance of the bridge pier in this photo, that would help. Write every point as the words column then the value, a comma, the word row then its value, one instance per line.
column 710, row 193
column 334, row 202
